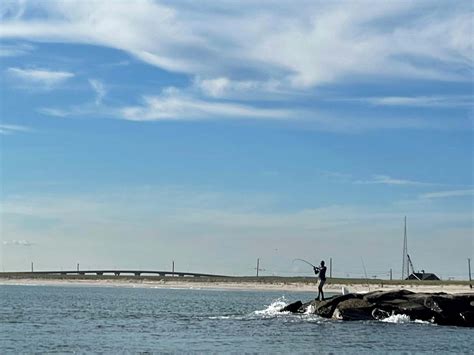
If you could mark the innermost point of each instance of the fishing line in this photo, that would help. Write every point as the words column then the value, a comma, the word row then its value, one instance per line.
column 307, row 262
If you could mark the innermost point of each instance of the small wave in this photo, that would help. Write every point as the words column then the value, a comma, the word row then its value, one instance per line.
column 402, row 318
column 397, row 318
column 274, row 308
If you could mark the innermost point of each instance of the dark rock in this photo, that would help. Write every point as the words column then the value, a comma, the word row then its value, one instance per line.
column 379, row 314
column 468, row 318
column 380, row 296
column 315, row 304
column 449, row 309
column 353, row 309
column 440, row 308
column 414, row 311
column 293, row 307
column 326, row 308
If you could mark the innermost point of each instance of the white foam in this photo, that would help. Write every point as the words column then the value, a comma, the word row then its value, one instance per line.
column 402, row 318
column 397, row 318
column 310, row 309
column 274, row 308
column 220, row 317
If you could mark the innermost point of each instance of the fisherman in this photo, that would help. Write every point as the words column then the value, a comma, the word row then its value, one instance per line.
column 321, row 270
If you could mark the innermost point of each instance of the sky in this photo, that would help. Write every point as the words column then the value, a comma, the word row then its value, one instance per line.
column 135, row 133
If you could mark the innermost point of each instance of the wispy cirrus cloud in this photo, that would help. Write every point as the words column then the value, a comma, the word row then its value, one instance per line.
column 300, row 46
column 171, row 104
column 99, row 89
column 39, row 78
column 55, row 112
column 421, row 101
column 16, row 49
column 388, row 180
column 448, row 194
column 222, row 87
column 280, row 50
column 85, row 109
column 6, row 129
column 174, row 105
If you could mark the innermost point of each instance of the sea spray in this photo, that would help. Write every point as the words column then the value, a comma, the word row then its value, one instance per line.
column 402, row 318
column 274, row 308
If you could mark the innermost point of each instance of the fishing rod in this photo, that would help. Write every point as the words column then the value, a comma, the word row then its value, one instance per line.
column 305, row 261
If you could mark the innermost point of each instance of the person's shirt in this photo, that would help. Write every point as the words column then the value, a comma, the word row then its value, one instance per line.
column 322, row 273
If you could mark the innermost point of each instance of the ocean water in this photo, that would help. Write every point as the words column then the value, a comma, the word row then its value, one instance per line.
column 117, row 319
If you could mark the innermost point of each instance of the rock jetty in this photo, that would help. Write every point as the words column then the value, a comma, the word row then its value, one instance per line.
column 439, row 308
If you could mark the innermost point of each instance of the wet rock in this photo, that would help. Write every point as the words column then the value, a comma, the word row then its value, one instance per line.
column 326, row 308
column 293, row 307
column 379, row 314
column 439, row 308
column 468, row 318
column 354, row 309
column 381, row 296
column 451, row 309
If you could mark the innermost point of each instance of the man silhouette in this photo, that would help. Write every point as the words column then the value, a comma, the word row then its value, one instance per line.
column 321, row 270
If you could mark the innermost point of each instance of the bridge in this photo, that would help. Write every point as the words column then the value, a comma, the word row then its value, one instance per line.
column 112, row 272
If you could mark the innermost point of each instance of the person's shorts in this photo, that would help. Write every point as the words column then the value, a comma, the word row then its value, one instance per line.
column 321, row 283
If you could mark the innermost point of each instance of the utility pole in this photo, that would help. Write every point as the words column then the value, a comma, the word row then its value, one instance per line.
column 405, row 252
column 330, row 267
column 32, row 270
column 258, row 266
column 77, row 267
column 172, row 267
column 469, row 267
column 390, row 274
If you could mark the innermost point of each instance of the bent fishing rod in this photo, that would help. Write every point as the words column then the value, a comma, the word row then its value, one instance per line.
column 305, row 261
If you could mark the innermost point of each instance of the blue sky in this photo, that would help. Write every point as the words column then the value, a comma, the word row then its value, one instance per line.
column 136, row 133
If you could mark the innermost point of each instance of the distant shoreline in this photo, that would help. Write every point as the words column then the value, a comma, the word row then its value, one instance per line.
column 265, row 283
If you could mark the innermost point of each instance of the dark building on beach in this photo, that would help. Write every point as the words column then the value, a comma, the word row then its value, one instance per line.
column 422, row 276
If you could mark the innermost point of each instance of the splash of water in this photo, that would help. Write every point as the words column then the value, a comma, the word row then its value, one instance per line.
column 310, row 309
column 274, row 308
column 397, row 318
column 402, row 318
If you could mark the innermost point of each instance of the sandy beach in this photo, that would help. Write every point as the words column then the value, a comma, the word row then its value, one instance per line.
column 234, row 285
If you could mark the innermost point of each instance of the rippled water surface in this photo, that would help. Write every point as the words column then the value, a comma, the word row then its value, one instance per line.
column 110, row 319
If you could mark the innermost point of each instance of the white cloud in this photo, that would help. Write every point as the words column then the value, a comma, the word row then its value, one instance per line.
column 421, row 101
column 22, row 243
column 99, row 89
column 10, row 129
column 55, row 112
column 277, row 50
column 224, row 87
column 186, row 105
column 214, row 87
column 447, row 194
column 85, row 109
column 387, row 180
column 174, row 105
column 303, row 46
column 17, row 49
column 39, row 77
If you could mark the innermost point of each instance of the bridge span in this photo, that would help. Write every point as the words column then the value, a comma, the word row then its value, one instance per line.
column 112, row 272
